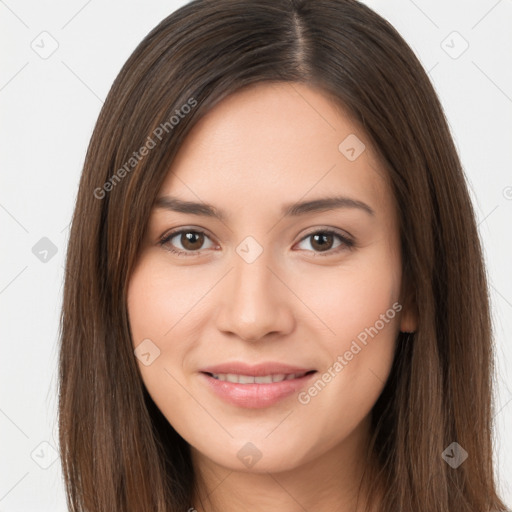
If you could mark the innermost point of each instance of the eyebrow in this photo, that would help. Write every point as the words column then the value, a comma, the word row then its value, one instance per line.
column 289, row 210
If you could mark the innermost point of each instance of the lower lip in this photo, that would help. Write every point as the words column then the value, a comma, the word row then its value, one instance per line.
column 255, row 396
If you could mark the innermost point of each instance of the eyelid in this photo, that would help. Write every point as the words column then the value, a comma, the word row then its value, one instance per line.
column 347, row 240
column 329, row 229
column 168, row 236
column 176, row 231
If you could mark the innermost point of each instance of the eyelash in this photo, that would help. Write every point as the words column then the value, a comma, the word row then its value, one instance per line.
column 346, row 242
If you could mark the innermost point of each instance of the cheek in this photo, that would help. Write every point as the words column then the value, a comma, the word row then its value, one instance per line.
column 359, row 308
column 353, row 299
column 151, row 312
column 158, row 300
column 166, row 306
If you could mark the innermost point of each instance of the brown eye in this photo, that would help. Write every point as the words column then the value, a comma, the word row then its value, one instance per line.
column 325, row 242
column 186, row 242
column 322, row 242
column 191, row 240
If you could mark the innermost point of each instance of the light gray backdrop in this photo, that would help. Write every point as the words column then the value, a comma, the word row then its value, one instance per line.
column 58, row 61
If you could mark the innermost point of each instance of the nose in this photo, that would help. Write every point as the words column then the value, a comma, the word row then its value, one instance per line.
column 255, row 301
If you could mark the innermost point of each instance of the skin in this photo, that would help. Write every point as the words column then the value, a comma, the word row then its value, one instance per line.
column 258, row 149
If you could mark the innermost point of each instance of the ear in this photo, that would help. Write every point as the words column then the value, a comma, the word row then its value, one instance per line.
column 409, row 315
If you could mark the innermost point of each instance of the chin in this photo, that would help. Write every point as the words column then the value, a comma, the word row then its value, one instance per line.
column 254, row 457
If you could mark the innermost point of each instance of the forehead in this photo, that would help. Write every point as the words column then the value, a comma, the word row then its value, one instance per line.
column 276, row 142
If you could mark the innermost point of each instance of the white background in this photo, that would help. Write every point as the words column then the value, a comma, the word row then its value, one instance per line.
column 49, row 107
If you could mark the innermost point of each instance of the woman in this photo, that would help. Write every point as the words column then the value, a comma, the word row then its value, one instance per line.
column 275, row 297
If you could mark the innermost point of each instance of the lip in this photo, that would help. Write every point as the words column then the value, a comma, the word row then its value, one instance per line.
column 257, row 370
column 255, row 396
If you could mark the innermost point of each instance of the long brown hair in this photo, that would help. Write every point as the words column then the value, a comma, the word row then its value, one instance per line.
column 118, row 452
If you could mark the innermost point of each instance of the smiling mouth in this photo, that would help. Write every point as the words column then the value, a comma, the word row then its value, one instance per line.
column 261, row 379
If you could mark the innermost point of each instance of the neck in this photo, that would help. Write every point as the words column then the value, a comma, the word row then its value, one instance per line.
column 334, row 480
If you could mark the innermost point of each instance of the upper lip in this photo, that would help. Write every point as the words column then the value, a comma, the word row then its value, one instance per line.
column 256, row 370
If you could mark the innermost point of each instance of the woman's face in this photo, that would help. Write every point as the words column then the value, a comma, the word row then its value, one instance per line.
column 269, row 282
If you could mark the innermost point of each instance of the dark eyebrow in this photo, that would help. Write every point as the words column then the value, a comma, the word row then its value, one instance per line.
column 323, row 204
column 289, row 210
column 178, row 205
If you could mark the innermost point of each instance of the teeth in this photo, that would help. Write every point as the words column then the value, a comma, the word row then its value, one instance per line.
column 250, row 379
column 266, row 379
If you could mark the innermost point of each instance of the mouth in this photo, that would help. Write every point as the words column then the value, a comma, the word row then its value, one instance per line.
column 255, row 387
column 259, row 379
